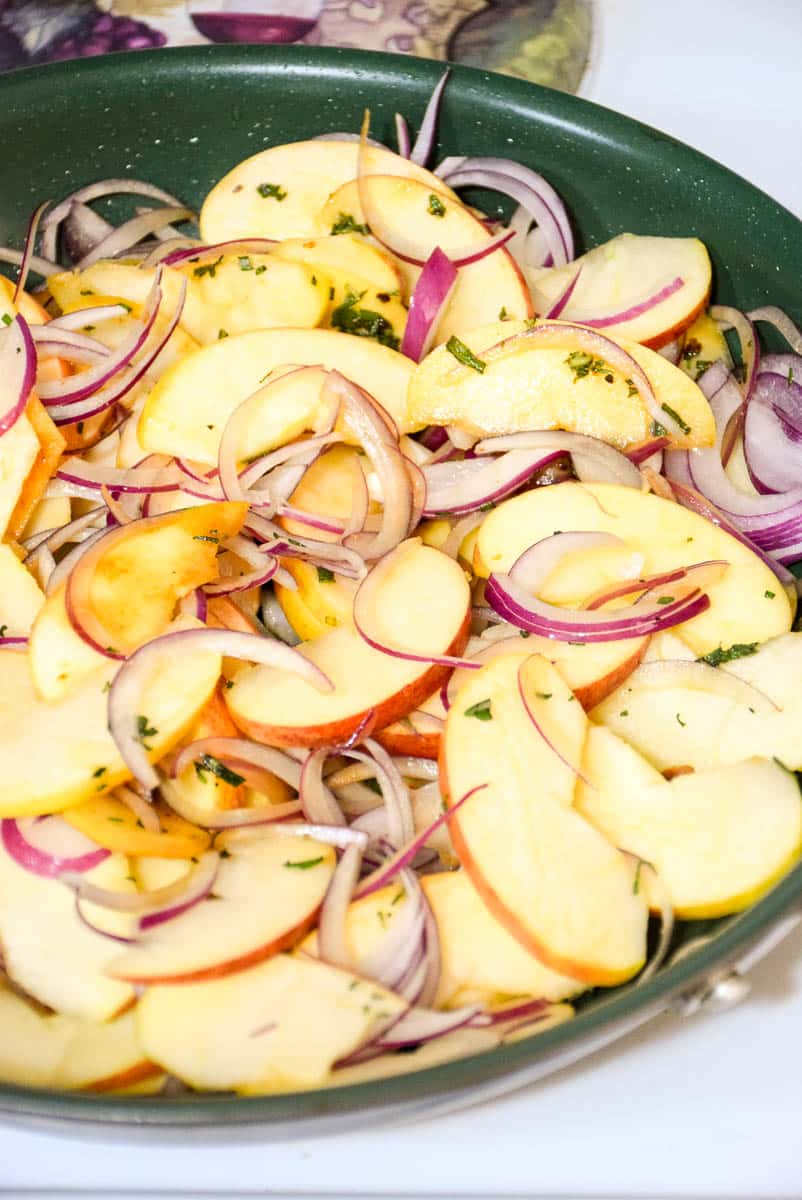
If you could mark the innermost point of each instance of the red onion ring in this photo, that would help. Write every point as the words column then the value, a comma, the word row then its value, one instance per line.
column 234, row 246
column 17, row 369
column 429, row 301
column 424, row 142
column 44, row 863
column 28, row 248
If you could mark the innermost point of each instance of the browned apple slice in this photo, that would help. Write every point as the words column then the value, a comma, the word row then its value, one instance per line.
column 277, row 1027
column 265, row 897
column 559, row 887
column 423, row 607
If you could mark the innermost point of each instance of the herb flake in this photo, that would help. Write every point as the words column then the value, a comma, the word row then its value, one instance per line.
column 465, row 355
column 480, row 710
column 271, row 191
column 738, row 650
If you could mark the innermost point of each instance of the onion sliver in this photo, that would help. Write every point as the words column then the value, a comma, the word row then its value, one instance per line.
column 48, row 864
column 332, row 942
column 634, row 310
column 97, row 191
column 511, row 595
column 526, row 700
column 781, row 322
column 402, row 136
column 733, row 318
column 424, row 142
column 235, row 246
column 423, row 1025
column 122, row 237
column 196, row 883
column 28, row 247
column 562, row 300
column 464, row 485
column 773, row 434
column 142, row 479
column 699, row 677
column 126, row 689
column 86, row 316
column 592, row 458
column 317, row 799
column 17, row 370
column 427, row 304
column 240, row 751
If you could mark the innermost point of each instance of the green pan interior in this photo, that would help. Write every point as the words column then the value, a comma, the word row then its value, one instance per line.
column 181, row 118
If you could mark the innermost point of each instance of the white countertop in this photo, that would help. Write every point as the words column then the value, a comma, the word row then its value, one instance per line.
column 709, row 1106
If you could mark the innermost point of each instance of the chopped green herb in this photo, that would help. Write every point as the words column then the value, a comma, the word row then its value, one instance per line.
column 128, row 307
column 382, row 918
column 88, row 328
column 701, row 366
column 373, row 784
column 464, row 355
column 324, row 575
column 680, row 720
column 80, row 427
column 345, row 223
column 331, row 293
column 738, row 650
column 624, row 712
column 636, row 880
column 503, row 314
column 229, row 683
column 398, row 896
column 544, row 695
column 672, row 412
column 583, row 364
column 100, row 771
column 314, row 280
column 205, row 537
column 631, row 389
column 769, row 595
column 207, row 762
column 116, row 820
column 87, row 292
column 524, row 633
column 260, row 270
column 245, row 263
column 658, row 430
column 480, row 710
column 305, row 864
column 271, row 191
column 3, row 629
column 7, row 319
column 144, row 729
column 209, row 269
column 225, row 853
column 488, row 506
column 665, row 599
column 436, row 206
column 383, row 297
column 689, row 539
column 222, row 333
column 790, row 376
column 106, row 686
column 363, row 322
column 692, row 349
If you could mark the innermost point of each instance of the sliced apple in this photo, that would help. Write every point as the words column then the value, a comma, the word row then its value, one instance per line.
column 277, row 1027
column 31, row 1046
column 318, row 604
column 50, row 952
column 279, row 192
column 163, row 558
column 718, row 838
column 345, row 258
column 745, row 604
column 51, row 447
column 187, row 410
column 680, row 726
column 484, row 289
column 625, row 273
column 19, row 449
column 81, row 756
column 556, row 884
column 49, row 513
column 535, row 388
column 112, row 824
column 266, row 895
column 102, row 1057
column 20, row 595
column 424, row 608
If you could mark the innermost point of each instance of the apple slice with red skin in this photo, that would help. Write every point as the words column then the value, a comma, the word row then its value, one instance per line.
column 557, row 885
column 423, row 604
column 622, row 275
column 266, row 896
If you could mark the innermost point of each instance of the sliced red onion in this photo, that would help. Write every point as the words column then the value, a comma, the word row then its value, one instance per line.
column 264, row 568
column 773, row 434
column 634, row 310
column 66, row 848
column 87, row 316
column 28, row 248
column 331, row 835
column 82, row 229
column 241, row 752
column 424, row 142
column 671, row 352
column 275, row 620
column 659, row 892
column 459, row 531
column 513, row 1012
column 17, row 370
column 142, row 479
column 332, row 943
column 565, row 336
column 13, row 643
column 79, row 387
column 234, row 246
column 402, row 136
column 429, row 301
column 76, row 347
column 531, row 712
column 456, row 488
column 419, row 1025
column 781, row 322
column 689, row 498
column 640, row 454
column 395, row 961
column 513, row 597
column 128, row 684
column 161, row 899
column 313, row 520
column 697, row 576
column 142, row 809
column 119, row 386
column 332, row 555
column 42, row 266
column 593, row 459
column 733, row 318
column 95, row 926
column 122, row 237
column 304, row 452
column 526, row 193
column 403, row 857
column 563, row 298
column 317, row 799
column 198, row 885
column 65, row 565
column 96, row 191
column 364, row 418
